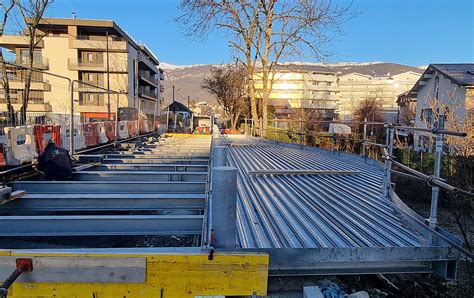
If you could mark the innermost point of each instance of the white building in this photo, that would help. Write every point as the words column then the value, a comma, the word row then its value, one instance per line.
column 445, row 90
column 308, row 87
column 356, row 87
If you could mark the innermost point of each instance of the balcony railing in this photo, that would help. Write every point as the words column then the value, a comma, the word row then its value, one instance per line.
column 40, row 63
column 147, row 77
column 100, row 37
column 99, row 42
column 80, row 64
column 143, row 92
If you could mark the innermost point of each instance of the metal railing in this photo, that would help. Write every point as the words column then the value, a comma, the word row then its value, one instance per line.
column 70, row 86
column 434, row 181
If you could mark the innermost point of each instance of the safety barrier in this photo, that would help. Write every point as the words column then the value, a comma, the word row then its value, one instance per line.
column 20, row 145
column 102, row 133
column 132, row 128
column 3, row 162
column 91, row 134
column 48, row 131
column 110, row 130
column 123, row 130
column 144, row 128
column 30, row 141
column 79, row 140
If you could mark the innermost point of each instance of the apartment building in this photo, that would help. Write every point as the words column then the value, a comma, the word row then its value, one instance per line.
column 356, row 87
column 97, row 52
column 308, row 87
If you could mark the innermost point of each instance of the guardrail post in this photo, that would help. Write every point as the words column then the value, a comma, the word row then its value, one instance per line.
column 433, row 220
column 388, row 161
column 224, row 206
column 116, row 120
column 219, row 156
column 364, row 139
column 71, row 119
column 333, row 138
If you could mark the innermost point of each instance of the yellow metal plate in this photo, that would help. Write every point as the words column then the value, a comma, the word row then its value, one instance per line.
column 167, row 275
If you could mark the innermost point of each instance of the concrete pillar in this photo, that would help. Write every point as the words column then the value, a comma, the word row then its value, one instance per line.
column 219, row 156
column 224, row 206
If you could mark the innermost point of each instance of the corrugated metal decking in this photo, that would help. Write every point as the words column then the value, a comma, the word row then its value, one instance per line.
column 308, row 211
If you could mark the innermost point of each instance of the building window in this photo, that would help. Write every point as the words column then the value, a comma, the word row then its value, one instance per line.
column 328, row 84
column 436, row 88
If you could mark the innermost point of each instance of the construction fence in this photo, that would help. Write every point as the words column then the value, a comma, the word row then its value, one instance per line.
column 58, row 105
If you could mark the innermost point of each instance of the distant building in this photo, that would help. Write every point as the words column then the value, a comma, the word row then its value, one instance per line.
column 406, row 108
column 79, row 49
column 444, row 90
column 356, row 87
column 306, row 87
column 178, row 117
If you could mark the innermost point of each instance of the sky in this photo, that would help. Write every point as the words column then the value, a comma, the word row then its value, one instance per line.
column 413, row 32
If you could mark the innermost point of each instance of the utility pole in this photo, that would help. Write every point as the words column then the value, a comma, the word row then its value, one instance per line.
column 173, row 93
column 108, row 73
column 188, row 102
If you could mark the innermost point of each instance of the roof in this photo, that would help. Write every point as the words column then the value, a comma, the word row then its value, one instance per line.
column 176, row 106
column 461, row 74
column 99, row 24
column 304, row 68
column 375, row 69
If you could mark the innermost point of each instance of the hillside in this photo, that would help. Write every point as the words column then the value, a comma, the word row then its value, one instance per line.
column 188, row 78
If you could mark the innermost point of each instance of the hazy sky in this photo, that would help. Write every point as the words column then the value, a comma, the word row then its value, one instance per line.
column 415, row 32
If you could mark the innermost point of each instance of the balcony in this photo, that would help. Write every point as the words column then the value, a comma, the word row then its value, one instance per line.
column 39, row 63
column 13, row 41
column 85, row 65
column 20, row 85
column 79, row 64
column 90, row 42
column 147, row 93
column 148, row 78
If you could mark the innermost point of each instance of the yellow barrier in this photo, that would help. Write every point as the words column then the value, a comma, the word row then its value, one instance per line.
column 167, row 275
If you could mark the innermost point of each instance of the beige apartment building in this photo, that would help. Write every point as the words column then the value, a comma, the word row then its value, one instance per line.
column 355, row 88
column 308, row 87
column 98, row 52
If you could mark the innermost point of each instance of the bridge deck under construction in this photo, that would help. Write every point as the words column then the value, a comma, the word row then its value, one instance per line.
column 311, row 211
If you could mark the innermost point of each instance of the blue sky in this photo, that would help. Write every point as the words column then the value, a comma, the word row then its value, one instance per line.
column 414, row 32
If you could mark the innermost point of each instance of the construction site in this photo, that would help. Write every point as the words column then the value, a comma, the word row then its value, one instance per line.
column 186, row 215
column 278, row 194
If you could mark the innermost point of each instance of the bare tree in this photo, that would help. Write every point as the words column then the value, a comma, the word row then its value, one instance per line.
column 7, row 7
column 238, row 19
column 264, row 31
column 32, row 12
column 227, row 84
column 295, row 28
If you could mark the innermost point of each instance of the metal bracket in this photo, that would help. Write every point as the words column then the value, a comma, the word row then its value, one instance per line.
column 22, row 265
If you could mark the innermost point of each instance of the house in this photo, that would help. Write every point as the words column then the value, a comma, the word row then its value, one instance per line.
column 447, row 91
column 178, row 117
column 406, row 108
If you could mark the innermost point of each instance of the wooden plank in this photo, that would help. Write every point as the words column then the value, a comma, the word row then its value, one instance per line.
column 169, row 275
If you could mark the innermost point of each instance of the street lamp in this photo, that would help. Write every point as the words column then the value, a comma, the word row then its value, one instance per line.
column 175, row 91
